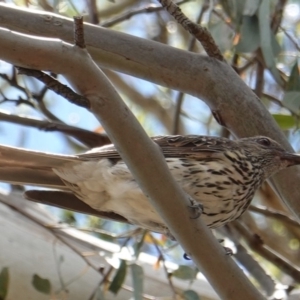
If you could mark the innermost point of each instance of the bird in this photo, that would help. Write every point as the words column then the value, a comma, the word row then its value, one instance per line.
column 219, row 174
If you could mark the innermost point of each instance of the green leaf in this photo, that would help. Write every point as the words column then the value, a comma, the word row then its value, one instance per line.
column 266, row 39
column 250, row 40
column 275, row 45
column 137, row 274
column 68, row 217
column 233, row 8
column 292, row 100
column 190, row 295
column 185, row 273
column 119, row 277
column 4, row 282
column 137, row 246
column 285, row 122
column 222, row 34
column 99, row 294
column 293, row 83
column 41, row 284
column 251, row 7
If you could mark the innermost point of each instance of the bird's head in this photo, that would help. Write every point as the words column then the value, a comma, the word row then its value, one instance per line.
column 268, row 155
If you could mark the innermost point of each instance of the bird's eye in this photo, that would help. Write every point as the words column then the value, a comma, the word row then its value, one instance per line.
column 264, row 141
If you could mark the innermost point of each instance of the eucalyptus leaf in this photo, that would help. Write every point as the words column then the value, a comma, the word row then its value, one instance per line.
column 293, row 83
column 185, row 273
column 292, row 100
column 137, row 246
column 285, row 122
column 222, row 34
column 119, row 278
column 251, row 7
column 190, row 295
column 41, row 284
column 266, row 39
column 250, row 40
column 137, row 274
column 4, row 283
column 233, row 8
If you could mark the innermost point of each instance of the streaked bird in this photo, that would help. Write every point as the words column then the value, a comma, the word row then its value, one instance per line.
column 220, row 174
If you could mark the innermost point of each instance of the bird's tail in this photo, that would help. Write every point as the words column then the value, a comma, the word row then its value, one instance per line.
column 20, row 166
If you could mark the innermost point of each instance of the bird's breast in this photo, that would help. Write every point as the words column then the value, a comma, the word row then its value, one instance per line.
column 223, row 191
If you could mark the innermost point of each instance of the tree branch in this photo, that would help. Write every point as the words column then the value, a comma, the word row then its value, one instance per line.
column 213, row 81
column 147, row 164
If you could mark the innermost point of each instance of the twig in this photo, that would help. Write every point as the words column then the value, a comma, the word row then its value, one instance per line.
column 13, row 82
column 57, row 87
column 180, row 96
column 162, row 258
column 277, row 15
column 259, row 80
column 281, row 104
column 148, row 9
column 247, row 260
column 39, row 98
column 296, row 44
column 15, row 207
column 257, row 245
column 92, row 11
column 274, row 214
column 79, row 32
column 199, row 32
column 88, row 138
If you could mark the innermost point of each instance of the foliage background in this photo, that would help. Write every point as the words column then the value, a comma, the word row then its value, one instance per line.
column 259, row 39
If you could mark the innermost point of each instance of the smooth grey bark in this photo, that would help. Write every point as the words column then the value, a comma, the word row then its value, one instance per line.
column 206, row 78
column 143, row 157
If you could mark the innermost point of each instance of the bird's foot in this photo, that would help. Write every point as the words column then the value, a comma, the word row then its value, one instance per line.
column 196, row 207
column 228, row 251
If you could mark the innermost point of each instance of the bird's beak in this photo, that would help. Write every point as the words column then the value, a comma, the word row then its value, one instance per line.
column 291, row 158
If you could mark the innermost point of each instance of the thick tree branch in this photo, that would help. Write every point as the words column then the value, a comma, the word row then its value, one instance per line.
column 147, row 164
column 212, row 81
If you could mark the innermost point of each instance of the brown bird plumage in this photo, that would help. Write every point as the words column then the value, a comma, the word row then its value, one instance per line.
column 218, row 173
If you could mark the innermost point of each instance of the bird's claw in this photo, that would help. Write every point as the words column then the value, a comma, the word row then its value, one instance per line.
column 228, row 251
column 196, row 207
column 185, row 256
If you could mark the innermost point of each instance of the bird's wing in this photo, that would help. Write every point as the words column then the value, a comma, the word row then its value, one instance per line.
column 196, row 146
column 171, row 146
column 21, row 166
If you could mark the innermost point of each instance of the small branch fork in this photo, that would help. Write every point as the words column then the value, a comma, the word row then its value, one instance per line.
column 54, row 85
column 199, row 32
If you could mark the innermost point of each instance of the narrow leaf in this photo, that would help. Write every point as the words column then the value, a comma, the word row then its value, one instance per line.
column 4, row 282
column 190, row 295
column 251, row 7
column 119, row 278
column 250, row 40
column 137, row 246
column 233, row 8
column 266, row 39
column 99, row 294
column 284, row 121
column 222, row 34
column 137, row 274
column 41, row 284
column 185, row 273
column 292, row 100
column 293, row 83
